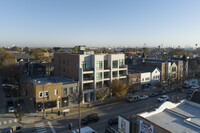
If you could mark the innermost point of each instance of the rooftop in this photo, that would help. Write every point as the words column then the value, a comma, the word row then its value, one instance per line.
column 52, row 79
column 183, row 117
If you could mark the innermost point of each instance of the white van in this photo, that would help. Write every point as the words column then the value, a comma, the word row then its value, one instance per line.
column 85, row 130
column 133, row 98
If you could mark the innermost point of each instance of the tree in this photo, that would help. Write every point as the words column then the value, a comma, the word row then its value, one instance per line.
column 16, row 49
column 26, row 49
column 146, row 51
column 98, row 51
column 118, row 88
column 51, row 50
column 102, row 93
column 6, row 58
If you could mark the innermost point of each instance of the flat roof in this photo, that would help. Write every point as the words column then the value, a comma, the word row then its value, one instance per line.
column 183, row 117
column 52, row 79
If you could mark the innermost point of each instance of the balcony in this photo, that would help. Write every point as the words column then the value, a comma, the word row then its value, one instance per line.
column 122, row 73
column 88, row 69
column 87, row 77
column 88, row 86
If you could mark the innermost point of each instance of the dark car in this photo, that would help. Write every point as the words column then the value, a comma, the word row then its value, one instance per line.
column 10, row 103
column 113, row 121
column 153, row 94
column 162, row 92
column 89, row 119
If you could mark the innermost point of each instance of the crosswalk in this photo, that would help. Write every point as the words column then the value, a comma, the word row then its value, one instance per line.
column 8, row 122
column 40, row 128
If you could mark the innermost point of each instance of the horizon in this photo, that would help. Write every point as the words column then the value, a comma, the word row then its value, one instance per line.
column 99, row 23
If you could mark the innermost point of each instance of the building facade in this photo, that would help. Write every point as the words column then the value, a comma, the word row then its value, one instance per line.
column 53, row 91
column 93, row 71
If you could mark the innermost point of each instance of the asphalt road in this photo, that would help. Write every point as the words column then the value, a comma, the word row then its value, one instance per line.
column 106, row 112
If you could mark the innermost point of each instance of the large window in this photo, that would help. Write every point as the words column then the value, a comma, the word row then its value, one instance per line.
column 86, row 65
column 121, row 63
column 115, row 74
column 115, row 64
column 64, row 91
column 99, row 65
column 71, row 90
column 106, row 64
column 106, row 75
column 98, row 75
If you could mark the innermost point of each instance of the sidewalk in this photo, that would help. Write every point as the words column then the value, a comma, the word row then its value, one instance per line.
column 38, row 117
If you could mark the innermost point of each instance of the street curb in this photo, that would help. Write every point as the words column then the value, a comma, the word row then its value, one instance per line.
column 89, row 109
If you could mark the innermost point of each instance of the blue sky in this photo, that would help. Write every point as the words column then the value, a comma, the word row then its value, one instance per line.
column 132, row 23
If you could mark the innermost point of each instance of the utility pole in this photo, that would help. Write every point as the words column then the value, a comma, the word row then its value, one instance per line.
column 79, row 113
column 43, row 100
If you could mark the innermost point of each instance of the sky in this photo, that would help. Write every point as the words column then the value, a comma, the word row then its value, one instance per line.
column 97, row 23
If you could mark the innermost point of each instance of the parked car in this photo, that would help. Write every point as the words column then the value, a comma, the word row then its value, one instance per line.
column 133, row 98
column 163, row 98
column 195, row 87
column 113, row 121
column 11, row 109
column 162, row 92
column 90, row 118
column 142, row 97
column 10, row 103
column 153, row 94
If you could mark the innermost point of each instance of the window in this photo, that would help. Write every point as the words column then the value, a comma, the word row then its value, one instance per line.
column 86, row 65
column 115, row 74
column 63, row 69
column 115, row 64
column 63, row 61
column 98, row 75
column 106, row 74
column 71, row 90
column 40, row 94
column 154, row 77
column 121, row 63
column 106, row 64
column 155, row 71
column 147, row 78
column 76, row 89
column 56, row 92
column 64, row 91
column 173, row 69
column 46, row 93
column 142, row 79
column 99, row 65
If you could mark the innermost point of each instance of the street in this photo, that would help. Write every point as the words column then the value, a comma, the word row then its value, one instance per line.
column 106, row 112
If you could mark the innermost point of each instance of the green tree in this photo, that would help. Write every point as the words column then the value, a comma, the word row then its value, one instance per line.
column 16, row 49
column 51, row 50
column 26, row 49
column 118, row 88
column 6, row 58
column 146, row 51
